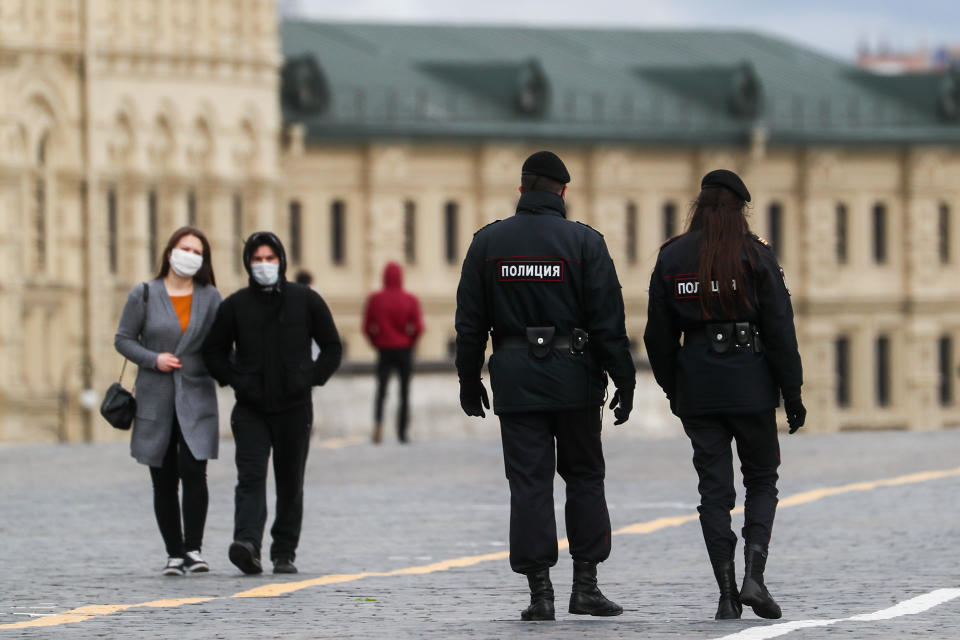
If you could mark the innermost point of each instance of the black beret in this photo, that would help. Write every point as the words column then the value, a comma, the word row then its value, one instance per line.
column 546, row 164
column 728, row 179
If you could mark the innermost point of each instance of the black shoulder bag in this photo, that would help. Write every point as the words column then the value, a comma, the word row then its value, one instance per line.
column 119, row 407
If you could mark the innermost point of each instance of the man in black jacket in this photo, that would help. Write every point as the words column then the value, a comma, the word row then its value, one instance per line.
column 260, row 344
column 547, row 290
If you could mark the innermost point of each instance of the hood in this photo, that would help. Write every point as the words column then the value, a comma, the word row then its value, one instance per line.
column 392, row 276
column 261, row 238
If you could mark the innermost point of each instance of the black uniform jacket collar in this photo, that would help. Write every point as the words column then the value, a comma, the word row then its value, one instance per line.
column 541, row 202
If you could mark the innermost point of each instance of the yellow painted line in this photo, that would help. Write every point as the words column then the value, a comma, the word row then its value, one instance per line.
column 639, row 528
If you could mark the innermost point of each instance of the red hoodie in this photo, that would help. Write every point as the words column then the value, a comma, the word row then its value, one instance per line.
column 392, row 318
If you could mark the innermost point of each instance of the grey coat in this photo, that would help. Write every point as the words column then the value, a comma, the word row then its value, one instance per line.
column 146, row 331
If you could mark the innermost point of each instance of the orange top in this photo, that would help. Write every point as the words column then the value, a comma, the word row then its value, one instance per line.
column 181, row 304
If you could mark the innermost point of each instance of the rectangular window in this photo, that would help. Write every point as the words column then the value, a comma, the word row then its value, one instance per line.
column 153, row 223
column 112, row 231
column 841, row 233
column 40, row 222
column 944, row 228
column 410, row 232
column 191, row 208
column 669, row 220
column 338, row 230
column 296, row 230
column 879, row 233
column 842, row 364
column 883, row 371
column 631, row 233
column 238, row 232
column 945, row 353
column 775, row 228
column 450, row 225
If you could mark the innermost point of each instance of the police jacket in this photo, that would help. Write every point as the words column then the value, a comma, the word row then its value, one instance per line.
column 538, row 269
column 260, row 342
column 708, row 376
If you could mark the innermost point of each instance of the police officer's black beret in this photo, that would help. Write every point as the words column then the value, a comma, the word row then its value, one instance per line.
column 546, row 164
column 728, row 179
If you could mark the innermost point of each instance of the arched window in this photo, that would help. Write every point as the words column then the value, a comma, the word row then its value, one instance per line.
column 880, row 233
column 153, row 223
column 945, row 357
column 841, row 347
column 238, row 231
column 669, row 220
column 943, row 219
column 842, row 225
column 410, row 232
column 112, row 231
column 883, row 371
column 191, row 208
column 631, row 233
column 450, row 225
column 338, row 231
column 40, row 206
column 296, row 232
column 775, row 228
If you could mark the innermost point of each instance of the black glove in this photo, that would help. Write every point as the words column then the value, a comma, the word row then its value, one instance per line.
column 622, row 405
column 796, row 413
column 472, row 396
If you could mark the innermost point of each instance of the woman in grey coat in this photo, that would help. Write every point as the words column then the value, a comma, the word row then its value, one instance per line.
column 176, row 430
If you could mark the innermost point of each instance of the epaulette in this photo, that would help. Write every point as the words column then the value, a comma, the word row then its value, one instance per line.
column 762, row 241
column 485, row 226
column 589, row 227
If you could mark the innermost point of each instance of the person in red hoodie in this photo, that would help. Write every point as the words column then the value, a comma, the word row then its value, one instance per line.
column 392, row 322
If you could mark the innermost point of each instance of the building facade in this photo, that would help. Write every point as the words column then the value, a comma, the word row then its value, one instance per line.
column 359, row 144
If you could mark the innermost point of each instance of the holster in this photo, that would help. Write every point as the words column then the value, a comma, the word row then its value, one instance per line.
column 540, row 340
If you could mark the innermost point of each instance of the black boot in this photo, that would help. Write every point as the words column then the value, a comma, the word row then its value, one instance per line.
column 586, row 599
column 754, row 592
column 729, row 607
column 541, row 597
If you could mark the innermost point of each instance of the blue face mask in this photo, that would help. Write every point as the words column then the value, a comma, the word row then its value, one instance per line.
column 265, row 273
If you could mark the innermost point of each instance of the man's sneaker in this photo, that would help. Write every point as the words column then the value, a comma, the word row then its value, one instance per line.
column 174, row 567
column 284, row 565
column 245, row 556
column 193, row 563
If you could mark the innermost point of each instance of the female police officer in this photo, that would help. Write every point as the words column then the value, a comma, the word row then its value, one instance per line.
column 721, row 287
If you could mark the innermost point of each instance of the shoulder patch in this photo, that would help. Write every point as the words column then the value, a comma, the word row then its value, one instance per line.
column 589, row 227
column 485, row 226
column 762, row 241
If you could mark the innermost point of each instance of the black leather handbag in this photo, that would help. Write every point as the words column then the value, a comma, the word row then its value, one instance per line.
column 119, row 407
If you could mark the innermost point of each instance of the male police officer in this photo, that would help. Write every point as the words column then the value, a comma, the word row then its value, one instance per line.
column 547, row 290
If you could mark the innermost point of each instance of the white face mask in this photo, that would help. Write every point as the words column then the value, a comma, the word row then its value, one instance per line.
column 184, row 263
column 265, row 273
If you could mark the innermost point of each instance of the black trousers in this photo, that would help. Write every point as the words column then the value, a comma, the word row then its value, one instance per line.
column 255, row 434
column 535, row 445
column 759, row 453
column 180, row 467
column 389, row 360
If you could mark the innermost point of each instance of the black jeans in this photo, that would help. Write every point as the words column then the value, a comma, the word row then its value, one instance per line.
column 759, row 453
column 535, row 445
column 402, row 361
column 255, row 434
column 179, row 466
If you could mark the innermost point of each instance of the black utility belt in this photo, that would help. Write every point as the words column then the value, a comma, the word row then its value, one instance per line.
column 541, row 340
column 724, row 337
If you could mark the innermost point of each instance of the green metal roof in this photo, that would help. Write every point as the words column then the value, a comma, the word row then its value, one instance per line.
column 351, row 81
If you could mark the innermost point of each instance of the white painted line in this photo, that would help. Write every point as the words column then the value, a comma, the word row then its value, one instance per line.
column 906, row 608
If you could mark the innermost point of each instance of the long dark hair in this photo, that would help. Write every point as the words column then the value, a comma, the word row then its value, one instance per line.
column 720, row 216
column 202, row 277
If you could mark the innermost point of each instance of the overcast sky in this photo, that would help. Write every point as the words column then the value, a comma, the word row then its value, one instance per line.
column 836, row 27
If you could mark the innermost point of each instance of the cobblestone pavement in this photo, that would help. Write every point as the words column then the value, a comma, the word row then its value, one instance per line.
column 77, row 529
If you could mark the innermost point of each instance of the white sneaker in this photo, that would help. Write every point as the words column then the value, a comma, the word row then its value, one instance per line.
column 174, row 567
column 193, row 563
